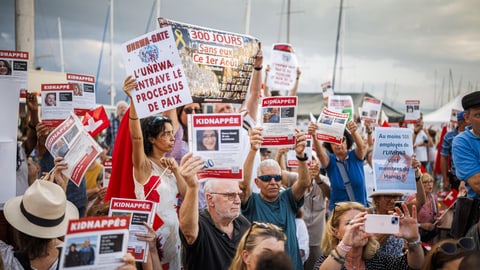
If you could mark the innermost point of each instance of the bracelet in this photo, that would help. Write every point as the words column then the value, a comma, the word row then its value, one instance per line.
column 336, row 257
column 32, row 126
column 344, row 247
column 414, row 243
column 304, row 158
column 258, row 68
column 417, row 178
column 134, row 118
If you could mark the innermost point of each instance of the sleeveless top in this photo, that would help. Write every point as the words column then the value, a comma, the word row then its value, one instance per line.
column 163, row 190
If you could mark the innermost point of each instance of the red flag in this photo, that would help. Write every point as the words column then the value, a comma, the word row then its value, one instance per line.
column 451, row 198
column 436, row 167
column 385, row 124
column 121, row 180
column 95, row 121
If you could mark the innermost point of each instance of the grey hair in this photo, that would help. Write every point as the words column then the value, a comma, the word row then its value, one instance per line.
column 268, row 163
column 210, row 185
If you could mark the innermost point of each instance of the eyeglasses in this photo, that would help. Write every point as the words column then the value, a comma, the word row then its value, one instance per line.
column 267, row 178
column 157, row 119
column 190, row 110
column 231, row 196
column 262, row 225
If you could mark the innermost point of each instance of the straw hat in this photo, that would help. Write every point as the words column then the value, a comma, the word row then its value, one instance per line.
column 43, row 211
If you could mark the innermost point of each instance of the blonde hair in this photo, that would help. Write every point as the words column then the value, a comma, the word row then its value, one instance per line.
column 251, row 238
column 330, row 241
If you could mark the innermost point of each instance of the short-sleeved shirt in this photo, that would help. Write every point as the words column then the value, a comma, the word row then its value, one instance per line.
column 213, row 249
column 466, row 156
column 280, row 212
column 446, row 150
column 354, row 168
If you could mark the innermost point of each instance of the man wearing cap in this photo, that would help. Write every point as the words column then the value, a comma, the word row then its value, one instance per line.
column 466, row 147
column 450, row 180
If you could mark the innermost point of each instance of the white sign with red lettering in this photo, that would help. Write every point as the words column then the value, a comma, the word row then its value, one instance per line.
column 154, row 61
column 279, row 121
column 57, row 103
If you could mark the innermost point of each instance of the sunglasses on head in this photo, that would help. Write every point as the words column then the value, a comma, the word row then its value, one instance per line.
column 157, row 119
column 263, row 226
column 451, row 248
column 190, row 110
column 267, row 178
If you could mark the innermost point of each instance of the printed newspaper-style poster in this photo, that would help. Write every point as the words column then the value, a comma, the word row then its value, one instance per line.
column 279, row 120
column 341, row 104
column 331, row 126
column 57, row 103
column 412, row 111
column 218, row 64
column 370, row 110
column 282, row 75
column 217, row 139
column 83, row 92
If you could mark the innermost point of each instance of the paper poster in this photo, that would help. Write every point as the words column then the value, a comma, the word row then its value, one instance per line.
column 14, row 65
column 412, row 111
column 279, row 120
column 393, row 149
column 371, row 108
column 218, row 64
column 83, row 92
column 292, row 160
column 283, row 68
column 57, row 103
column 155, row 63
column 217, row 139
column 341, row 104
column 331, row 126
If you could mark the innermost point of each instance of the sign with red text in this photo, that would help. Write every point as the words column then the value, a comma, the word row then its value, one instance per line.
column 139, row 211
column 412, row 111
column 331, row 126
column 218, row 64
column 154, row 61
column 217, row 139
column 283, row 68
column 72, row 142
column 14, row 65
column 370, row 109
column 292, row 160
column 83, row 92
column 57, row 103
column 279, row 120
column 341, row 104
column 99, row 242
column 392, row 159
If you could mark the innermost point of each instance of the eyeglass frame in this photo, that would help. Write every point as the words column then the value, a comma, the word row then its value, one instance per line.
column 458, row 247
column 231, row 196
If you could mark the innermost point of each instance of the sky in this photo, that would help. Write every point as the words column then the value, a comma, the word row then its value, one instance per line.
column 394, row 50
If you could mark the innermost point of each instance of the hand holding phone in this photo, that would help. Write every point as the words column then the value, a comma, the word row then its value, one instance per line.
column 384, row 224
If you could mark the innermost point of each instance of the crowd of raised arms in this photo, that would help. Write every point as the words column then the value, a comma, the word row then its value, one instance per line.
column 307, row 217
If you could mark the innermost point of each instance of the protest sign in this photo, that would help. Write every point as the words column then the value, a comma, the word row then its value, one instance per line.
column 279, row 121
column 292, row 160
column 83, row 92
column 370, row 109
column 57, row 103
column 393, row 149
column 218, row 64
column 72, row 142
column 153, row 60
column 217, row 139
column 412, row 111
column 341, row 104
column 282, row 75
column 331, row 126
column 107, row 171
column 15, row 66
column 97, row 242
column 139, row 211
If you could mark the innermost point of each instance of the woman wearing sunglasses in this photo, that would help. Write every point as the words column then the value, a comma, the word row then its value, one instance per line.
column 347, row 246
column 449, row 253
column 157, row 177
column 259, row 238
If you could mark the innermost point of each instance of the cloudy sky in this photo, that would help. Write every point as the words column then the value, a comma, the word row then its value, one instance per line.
column 395, row 50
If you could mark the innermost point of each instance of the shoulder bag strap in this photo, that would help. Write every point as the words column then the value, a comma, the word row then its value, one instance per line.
column 346, row 181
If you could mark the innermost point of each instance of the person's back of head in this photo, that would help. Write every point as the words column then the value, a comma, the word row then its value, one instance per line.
column 448, row 253
column 278, row 260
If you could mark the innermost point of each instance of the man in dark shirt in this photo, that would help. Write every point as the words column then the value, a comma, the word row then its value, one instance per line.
column 210, row 236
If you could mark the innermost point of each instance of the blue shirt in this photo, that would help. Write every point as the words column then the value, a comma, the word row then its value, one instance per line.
column 354, row 169
column 466, row 156
column 282, row 213
column 446, row 149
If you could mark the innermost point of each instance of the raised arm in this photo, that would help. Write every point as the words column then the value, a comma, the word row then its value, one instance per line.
column 360, row 148
column 303, row 181
column 31, row 142
column 255, row 84
column 256, row 140
column 266, row 90
column 141, row 168
column 319, row 148
column 188, row 214
column 294, row 90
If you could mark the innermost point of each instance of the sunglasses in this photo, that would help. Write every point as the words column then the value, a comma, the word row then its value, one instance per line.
column 230, row 195
column 267, row 178
column 157, row 119
column 454, row 248
column 190, row 110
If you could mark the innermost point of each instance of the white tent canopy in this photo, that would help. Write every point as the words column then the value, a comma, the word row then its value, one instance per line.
column 443, row 114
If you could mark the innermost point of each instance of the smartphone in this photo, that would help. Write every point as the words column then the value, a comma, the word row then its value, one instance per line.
column 384, row 224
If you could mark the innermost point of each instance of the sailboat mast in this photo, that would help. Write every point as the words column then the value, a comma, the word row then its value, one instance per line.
column 112, row 80
column 337, row 44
